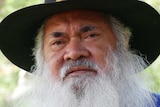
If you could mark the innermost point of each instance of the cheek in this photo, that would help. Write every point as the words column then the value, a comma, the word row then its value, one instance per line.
column 54, row 62
column 99, row 53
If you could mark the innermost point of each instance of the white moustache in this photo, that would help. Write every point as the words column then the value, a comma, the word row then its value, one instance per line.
column 81, row 64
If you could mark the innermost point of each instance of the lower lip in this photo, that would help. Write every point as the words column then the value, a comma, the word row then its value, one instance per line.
column 80, row 73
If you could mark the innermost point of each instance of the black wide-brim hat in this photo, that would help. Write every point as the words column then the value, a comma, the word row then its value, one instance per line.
column 18, row 30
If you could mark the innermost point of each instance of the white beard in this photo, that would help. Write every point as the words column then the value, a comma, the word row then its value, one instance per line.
column 92, row 92
column 122, row 87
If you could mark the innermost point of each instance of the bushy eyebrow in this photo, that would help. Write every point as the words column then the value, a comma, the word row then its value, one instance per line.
column 87, row 28
column 84, row 29
column 57, row 34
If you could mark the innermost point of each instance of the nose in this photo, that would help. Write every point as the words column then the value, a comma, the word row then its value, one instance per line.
column 75, row 49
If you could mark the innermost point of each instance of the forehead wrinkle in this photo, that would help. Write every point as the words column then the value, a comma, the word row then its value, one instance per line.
column 54, row 23
column 68, row 19
column 56, row 20
column 65, row 21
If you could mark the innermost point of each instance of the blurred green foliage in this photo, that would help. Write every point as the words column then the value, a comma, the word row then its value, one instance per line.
column 154, row 74
column 9, row 74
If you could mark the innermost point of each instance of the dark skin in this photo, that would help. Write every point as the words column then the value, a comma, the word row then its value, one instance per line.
column 77, row 34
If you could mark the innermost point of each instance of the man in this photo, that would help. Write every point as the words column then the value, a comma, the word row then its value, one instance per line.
column 85, row 53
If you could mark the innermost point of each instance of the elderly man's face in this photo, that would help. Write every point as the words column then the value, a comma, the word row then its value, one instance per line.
column 75, row 35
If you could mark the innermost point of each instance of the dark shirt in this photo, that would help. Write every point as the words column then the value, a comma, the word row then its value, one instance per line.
column 157, row 96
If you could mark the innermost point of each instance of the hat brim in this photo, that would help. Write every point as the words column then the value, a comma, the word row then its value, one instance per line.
column 18, row 30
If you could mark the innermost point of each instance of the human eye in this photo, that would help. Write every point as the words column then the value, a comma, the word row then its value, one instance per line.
column 91, row 35
column 57, row 44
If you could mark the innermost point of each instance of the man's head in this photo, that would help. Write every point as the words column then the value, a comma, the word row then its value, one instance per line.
column 79, row 35
column 84, row 62
column 75, row 35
